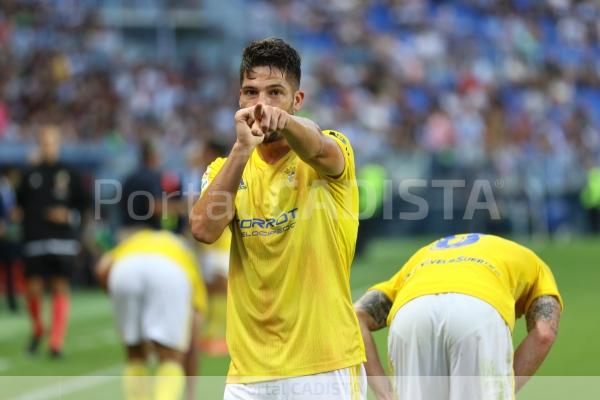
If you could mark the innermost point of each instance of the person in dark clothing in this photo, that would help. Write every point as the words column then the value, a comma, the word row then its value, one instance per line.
column 142, row 191
column 8, row 244
column 52, row 199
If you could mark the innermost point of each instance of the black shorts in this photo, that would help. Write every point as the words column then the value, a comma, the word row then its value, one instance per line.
column 49, row 266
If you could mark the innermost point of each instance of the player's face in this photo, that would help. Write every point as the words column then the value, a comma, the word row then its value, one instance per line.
column 268, row 85
column 49, row 141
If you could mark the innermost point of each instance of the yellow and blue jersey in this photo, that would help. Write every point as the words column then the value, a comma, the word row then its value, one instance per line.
column 498, row 271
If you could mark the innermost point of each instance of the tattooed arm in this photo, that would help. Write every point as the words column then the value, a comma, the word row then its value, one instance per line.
column 372, row 311
column 542, row 326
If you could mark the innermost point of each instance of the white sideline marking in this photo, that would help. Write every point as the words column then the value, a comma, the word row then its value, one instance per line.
column 75, row 384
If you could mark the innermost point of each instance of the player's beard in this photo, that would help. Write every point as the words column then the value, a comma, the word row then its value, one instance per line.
column 276, row 135
column 273, row 137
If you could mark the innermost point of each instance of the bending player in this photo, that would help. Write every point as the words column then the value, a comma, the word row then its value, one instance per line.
column 451, row 310
column 53, row 200
column 155, row 288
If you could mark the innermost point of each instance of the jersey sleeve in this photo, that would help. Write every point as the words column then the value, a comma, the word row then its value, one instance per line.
column 543, row 285
column 391, row 287
column 211, row 172
column 349, row 172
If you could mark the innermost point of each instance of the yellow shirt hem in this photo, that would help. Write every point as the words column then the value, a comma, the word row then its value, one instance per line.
column 290, row 373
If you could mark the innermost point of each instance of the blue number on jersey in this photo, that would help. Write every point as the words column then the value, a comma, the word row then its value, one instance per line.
column 450, row 243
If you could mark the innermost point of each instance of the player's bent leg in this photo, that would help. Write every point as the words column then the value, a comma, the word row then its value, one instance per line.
column 166, row 321
column 416, row 351
column 126, row 294
column 481, row 352
column 169, row 382
column 136, row 385
column 167, row 312
column 125, row 288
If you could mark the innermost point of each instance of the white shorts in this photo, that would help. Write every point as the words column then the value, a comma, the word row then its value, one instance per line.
column 450, row 346
column 152, row 300
column 342, row 384
column 214, row 263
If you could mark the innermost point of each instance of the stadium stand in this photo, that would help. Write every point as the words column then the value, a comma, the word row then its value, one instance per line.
column 479, row 89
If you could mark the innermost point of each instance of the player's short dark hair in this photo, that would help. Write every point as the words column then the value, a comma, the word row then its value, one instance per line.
column 275, row 53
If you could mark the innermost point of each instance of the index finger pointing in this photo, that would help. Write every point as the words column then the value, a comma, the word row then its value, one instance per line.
column 258, row 111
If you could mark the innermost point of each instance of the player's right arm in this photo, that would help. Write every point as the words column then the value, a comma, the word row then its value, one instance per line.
column 543, row 317
column 215, row 208
column 372, row 311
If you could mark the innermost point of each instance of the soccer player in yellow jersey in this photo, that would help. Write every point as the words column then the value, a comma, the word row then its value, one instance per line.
column 155, row 288
column 288, row 193
column 451, row 310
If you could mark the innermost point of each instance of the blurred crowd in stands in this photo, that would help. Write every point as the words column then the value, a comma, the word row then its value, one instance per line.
column 507, row 91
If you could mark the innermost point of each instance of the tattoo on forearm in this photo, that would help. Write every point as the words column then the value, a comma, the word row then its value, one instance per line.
column 544, row 308
column 377, row 305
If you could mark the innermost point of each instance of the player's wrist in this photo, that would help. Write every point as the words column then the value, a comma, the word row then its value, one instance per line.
column 289, row 122
column 242, row 149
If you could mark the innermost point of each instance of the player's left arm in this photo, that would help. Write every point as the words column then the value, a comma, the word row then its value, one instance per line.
column 316, row 149
column 543, row 317
column 372, row 310
column 305, row 138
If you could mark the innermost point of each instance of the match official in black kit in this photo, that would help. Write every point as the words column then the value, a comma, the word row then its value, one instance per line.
column 52, row 199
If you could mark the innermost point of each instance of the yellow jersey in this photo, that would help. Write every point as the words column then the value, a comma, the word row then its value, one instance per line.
column 168, row 245
column 222, row 244
column 498, row 271
column 289, row 307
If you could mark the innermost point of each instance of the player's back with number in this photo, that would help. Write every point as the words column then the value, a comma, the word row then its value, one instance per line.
column 496, row 270
column 451, row 311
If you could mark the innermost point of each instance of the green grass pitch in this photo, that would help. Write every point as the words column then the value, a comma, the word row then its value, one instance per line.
column 94, row 357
